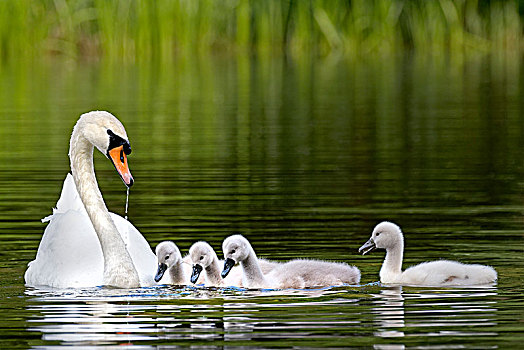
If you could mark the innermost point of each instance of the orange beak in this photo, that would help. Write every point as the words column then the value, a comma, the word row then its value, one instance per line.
column 119, row 159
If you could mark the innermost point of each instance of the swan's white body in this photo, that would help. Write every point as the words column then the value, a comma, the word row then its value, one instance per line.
column 297, row 273
column 84, row 245
column 388, row 236
column 70, row 255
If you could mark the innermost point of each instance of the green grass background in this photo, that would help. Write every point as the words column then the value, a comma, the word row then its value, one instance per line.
column 134, row 30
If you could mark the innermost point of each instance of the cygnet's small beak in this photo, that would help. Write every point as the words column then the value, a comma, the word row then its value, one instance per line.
column 196, row 273
column 228, row 264
column 160, row 272
column 367, row 247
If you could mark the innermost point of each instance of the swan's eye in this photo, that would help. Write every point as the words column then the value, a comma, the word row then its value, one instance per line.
column 167, row 257
column 201, row 258
column 122, row 155
column 377, row 234
column 115, row 141
column 233, row 251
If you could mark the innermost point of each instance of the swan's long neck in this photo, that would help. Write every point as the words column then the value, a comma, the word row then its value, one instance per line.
column 391, row 270
column 119, row 270
column 253, row 275
column 213, row 272
column 178, row 276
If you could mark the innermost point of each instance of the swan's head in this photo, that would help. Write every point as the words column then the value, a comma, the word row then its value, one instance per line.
column 167, row 254
column 236, row 248
column 202, row 255
column 385, row 235
column 106, row 133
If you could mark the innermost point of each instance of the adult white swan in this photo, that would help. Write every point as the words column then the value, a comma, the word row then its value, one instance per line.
column 84, row 245
column 388, row 236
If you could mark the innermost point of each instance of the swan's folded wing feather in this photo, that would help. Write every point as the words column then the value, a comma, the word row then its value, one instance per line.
column 69, row 199
column 69, row 254
column 141, row 253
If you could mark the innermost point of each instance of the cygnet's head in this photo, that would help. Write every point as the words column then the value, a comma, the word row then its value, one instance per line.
column 167, row 254
column 236, row 248
column 385, row 235
column 202, row 255
column 105, row 132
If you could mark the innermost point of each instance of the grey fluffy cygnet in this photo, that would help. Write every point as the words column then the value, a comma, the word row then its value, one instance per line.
column 388, row 236
column 204, row 258
column 169, row 259
column 296, row 273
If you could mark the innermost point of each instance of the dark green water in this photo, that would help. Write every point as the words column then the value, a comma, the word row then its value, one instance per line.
column 304, row 158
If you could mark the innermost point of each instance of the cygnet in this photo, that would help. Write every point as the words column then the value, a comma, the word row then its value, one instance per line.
column 203, row 257
column 296, row 273
column 388, row 236
column 169, row 257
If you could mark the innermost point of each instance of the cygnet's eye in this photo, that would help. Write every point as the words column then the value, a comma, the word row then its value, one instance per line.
column 377, row 234
column 233, row 251
column 167, row 257
column 201, row 257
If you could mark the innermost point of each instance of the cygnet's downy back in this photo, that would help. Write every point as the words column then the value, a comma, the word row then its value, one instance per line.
column 296, row 273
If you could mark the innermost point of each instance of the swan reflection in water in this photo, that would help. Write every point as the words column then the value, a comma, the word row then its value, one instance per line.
column 427, row 312
column 93, row 323
column 398, row 316
column 389, row 312
column 101, row 316
column 90, row 317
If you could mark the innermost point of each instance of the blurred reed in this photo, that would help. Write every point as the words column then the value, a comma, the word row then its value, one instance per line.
column 134, row 30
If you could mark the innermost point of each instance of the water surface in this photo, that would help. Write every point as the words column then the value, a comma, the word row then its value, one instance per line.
column 304, row 158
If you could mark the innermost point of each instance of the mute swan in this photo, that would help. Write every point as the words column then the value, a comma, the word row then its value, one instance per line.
column 203, row 257
column 296, row 273
column 388, row 236
column 169, row 258
column 84, row 245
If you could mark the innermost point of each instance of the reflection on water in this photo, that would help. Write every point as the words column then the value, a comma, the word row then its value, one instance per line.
column 99, row 316
column 455, row 312
column 390, row 312
column 232, row 316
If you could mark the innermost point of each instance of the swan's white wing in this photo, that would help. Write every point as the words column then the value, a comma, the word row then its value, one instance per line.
column 69, row 200
column 69, row 254
column 143, row 257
